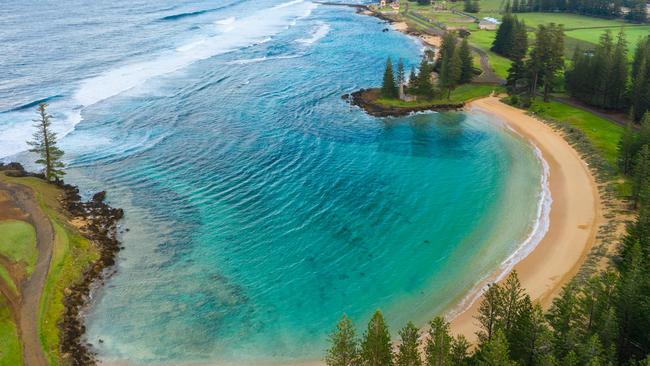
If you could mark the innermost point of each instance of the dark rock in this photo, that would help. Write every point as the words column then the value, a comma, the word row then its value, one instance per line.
column 99, row 196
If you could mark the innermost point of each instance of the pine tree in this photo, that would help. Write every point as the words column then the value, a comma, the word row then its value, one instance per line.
column 562, row 318
column 466, row 62
column 489, row 313
column 546, row 58
column 627, row 149
column 424, row 86
column 413, row 79
column 438, row 344
column 44, row 144
column 408, row 353
column 530, row 337
column 494, row 352
column 640, row 93
column 512, row 297
column 519, row 40
column 516, row 73
column 503, row 39
column 450, row 66
column 376, row 348
column 401, row 76
column 388, row 87
column 344, row 350
column 618, row 75
column 459, row 351
column 641, row 174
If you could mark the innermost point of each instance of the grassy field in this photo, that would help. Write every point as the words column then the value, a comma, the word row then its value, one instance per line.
column 632, row 34
column 18, row 243
column 463, row 93
column 570, row 21
column 72, row 253
column 10, row 349
column 603, row 134
column 6, row 278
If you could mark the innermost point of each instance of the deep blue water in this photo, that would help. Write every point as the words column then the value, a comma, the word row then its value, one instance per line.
column 260, row 206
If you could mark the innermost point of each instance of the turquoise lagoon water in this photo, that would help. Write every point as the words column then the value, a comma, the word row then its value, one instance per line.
column 259, row 205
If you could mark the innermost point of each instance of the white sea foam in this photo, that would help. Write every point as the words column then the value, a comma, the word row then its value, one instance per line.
column 254, row 29
column 262, row 59
column 537, row 233
column 319, row 33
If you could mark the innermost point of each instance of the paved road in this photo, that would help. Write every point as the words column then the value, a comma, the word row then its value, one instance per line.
column 32, row 289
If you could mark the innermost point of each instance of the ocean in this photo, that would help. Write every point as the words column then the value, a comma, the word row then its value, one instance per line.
column 260, row 206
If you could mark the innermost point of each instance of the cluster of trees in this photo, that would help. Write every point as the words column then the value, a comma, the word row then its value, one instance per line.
column 602, row 321
column 471, row 6
column 454, row 66
column 44, row 145
column 604, row 79
column 638, row 12
column 511, row 39
column 543, row 64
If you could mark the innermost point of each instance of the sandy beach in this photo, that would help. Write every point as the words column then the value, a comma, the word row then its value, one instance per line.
column 574, row 217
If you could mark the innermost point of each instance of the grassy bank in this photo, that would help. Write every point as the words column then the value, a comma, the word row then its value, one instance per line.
column 10, row 348
column 461, row 94
column 18, row 243
column 72, row 253
column 603, row 134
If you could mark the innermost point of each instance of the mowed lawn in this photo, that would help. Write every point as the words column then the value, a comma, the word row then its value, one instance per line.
column 632, row 34
column 570, row 21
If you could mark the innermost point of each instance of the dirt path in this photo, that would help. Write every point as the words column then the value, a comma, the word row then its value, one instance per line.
column 32, row 289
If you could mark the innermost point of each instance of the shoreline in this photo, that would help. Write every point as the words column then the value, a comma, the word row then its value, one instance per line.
column 575, row 215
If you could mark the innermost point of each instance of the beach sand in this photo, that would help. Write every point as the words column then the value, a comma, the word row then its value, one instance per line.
column 575, row 214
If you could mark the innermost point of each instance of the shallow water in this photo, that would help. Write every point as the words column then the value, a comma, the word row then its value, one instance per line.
column 260, row 206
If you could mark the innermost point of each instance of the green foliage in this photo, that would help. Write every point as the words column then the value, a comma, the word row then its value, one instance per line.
column 388, row 86
column 376, row 348
column 466, row 62
column 511, row 38
column 489, row 313
column 494, row 352
column 450, row 63
column 546, row 57
column 640, row 90
column 460, row 351
column 438, row 344
column 408, row 353
column 44, row 144
column 345, row 346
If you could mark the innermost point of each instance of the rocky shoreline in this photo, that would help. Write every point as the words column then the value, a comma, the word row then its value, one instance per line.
column 366, row 99
column 99, row 226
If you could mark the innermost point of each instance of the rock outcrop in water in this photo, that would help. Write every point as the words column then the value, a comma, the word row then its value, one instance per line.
column 366, row 99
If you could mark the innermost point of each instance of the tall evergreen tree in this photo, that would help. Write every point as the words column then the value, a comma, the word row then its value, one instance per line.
column 344, row 350
column 466, row 62
column 640, row 94
column 512, row 298
column 641, row 179
column 494, row 352
column 459, row 351
column 388, row 87
column 618, row 75
column 489, row 313
column 450, row 66
column 562, row 317
column 376, row 348
column 401, row 76
column 408, row 353
column 44, row 144
column 438, row 344
column 424, row 86
column 627, row 149
column 546, row 58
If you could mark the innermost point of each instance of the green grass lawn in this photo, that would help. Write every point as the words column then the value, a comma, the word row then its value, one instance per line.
column 18, row 243
column 570, row 21
column 632, row 34
column 603, row 134
column 461, row 94
column 10, row 349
